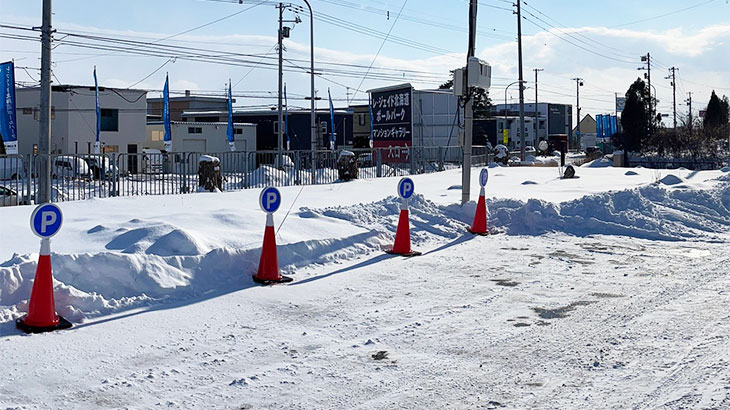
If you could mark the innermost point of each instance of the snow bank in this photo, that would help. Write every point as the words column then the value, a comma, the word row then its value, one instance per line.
column 141, row 262
column 602, row 162
column 650, row 212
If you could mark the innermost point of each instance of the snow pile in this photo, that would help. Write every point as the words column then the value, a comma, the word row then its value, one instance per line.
column 159, row 263
column 649, row 212
column 602, row 162
column 671, row 180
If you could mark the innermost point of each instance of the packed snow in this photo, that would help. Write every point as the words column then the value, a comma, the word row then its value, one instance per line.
column 605, row 291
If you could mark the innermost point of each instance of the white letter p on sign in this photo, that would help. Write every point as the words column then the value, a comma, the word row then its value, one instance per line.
column 270, row 199
column 48, row 218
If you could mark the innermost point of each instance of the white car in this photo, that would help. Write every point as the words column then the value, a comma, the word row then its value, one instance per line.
column 70, row 167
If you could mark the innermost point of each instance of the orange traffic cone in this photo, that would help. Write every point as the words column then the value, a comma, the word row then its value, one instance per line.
column 268, row 272
column 42, row 315
column 479, row 225
column 402, row 245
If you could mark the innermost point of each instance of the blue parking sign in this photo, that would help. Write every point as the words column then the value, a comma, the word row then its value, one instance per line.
column 483, row 177
column 270, row 199
column 406, row 188
column 46, row 220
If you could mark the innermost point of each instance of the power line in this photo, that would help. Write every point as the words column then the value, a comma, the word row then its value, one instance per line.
column 662, row 15
column 357, row 89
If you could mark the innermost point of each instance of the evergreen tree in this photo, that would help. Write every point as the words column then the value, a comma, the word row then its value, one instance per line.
column 716, row 118
column 634, row 117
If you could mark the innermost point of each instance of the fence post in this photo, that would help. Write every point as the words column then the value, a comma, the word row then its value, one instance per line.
column 28, row 178
column 378, row 164
column 412, row 159
column 441, row 158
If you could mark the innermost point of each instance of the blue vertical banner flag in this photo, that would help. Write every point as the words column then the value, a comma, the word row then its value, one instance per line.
column 332, row 122
column 370, row 108
column 286, row 120
column 614, row 125
column 230, row 131
column 611, row 129
column 97, row 144
column 8, row 124
column 607, row 125
column 599, row 126
column 166, row 114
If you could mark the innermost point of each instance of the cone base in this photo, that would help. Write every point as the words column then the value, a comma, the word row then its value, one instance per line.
column 62, row 324
column 283, row 279
column 477, row 233
column 407, row 255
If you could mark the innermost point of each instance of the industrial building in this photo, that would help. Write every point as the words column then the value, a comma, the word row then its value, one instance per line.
column 299, row 126
column 73, row 119
column 201, row 136
column 552, row 120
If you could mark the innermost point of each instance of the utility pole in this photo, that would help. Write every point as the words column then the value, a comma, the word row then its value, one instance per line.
column 647, row 59
column 536, row 119
column 578, row 84
column 689, row 103
column 522, row 88
column 280, row 133
column 674, row 94
column 468, row 106
column 44, row 142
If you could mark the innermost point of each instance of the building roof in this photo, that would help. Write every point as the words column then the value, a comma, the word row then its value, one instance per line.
column 264, row 112
column 197, row 123
column 70, row 87
column 192, row 98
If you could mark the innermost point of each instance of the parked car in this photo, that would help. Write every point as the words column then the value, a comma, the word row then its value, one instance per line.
column 56, row 196
column 67, row 166
column 100, row 165
column 365, row 160
column 8, row 197
column 11, row 168
column 154, row 161
column 530, row 151
column 286, row 161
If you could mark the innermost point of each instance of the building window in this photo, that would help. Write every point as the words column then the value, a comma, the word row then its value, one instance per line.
column 109, row 119
column 361, row 119
column 158, row 135
column 27, row 111
column 195, row 130
column 238, row 131
column 111, row 148
column 36, row 112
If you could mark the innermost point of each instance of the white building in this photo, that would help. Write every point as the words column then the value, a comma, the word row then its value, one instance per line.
column 73, row 119
column 436, row 118
column 208, row 137
column 514, row 136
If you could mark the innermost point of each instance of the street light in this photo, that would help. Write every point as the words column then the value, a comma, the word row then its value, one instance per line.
column 505, row 107
column 312, row 114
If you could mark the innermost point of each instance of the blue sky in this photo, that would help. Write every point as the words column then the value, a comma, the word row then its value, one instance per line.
column 696, row 40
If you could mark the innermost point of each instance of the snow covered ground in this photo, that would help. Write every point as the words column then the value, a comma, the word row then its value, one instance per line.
column 605, row 291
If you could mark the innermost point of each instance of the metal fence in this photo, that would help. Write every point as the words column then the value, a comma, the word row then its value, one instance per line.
column 695, row 165
column 77, row 177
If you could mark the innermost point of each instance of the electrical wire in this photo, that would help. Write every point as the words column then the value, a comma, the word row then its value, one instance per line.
column 357, row 89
